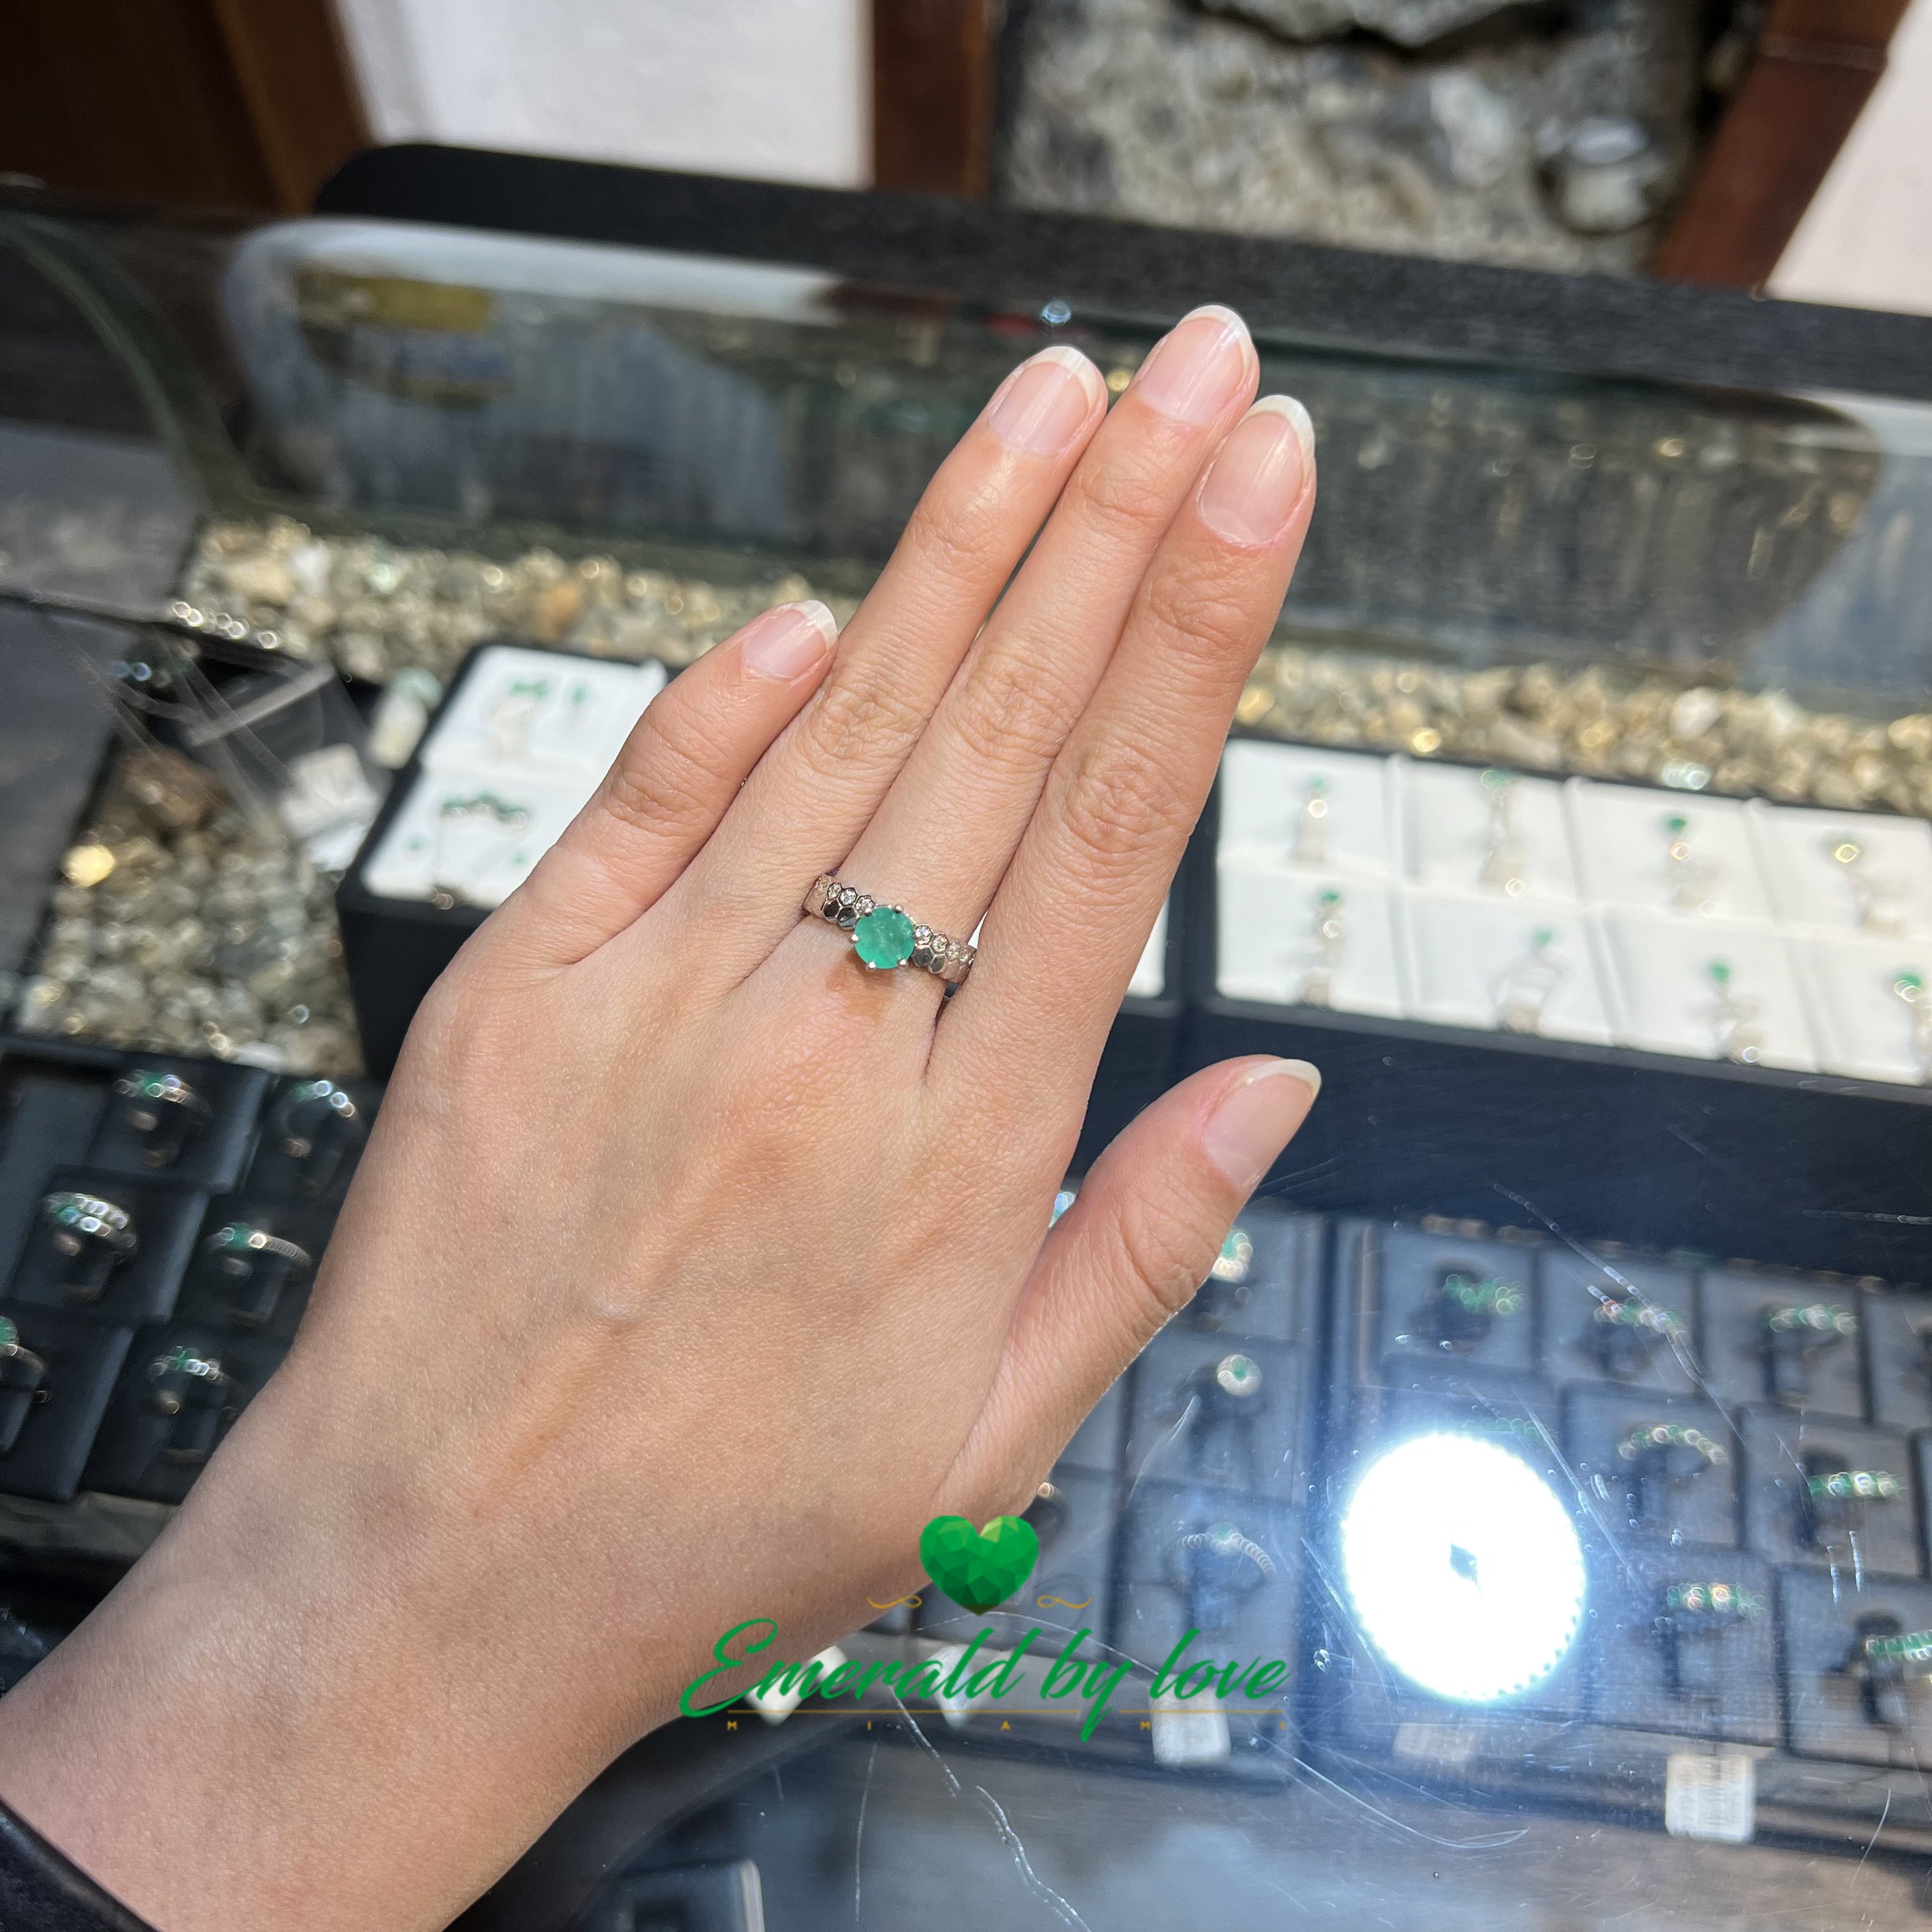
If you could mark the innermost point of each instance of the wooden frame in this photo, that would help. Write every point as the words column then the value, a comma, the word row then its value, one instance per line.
column 236, row 103
column 1817, row 63
column 932, row 95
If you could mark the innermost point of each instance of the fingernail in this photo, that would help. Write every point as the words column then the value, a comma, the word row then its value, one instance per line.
column 1044, row 403
column 1198, row 368
column 1258, row 475
column 786, row 642
column 1257, row 1117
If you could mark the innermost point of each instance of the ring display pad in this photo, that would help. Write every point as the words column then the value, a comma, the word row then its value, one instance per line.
column 1606, row 914
column 503, row 768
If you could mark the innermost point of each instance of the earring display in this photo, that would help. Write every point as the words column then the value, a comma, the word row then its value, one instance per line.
column 1693, row 858
column 1306, row 809
column 1492, row 831
column 1847, row 872
column 1785, row 897
column 1679, row 994
column 541, row 714
column 1871, row 997
column 454, row 842
column 509, row 763
column 1310, row 845
column 1733, row 1017
column 1307, row 941
column 1520, row 968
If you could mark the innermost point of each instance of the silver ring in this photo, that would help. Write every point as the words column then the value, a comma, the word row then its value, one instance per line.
column 76, row 1217
column 886, row 936
column 183, row 1361
column 13, row 1350
column 152, row 1091
column 322, row 1093
column 1225, row 1540
column 239, row 1238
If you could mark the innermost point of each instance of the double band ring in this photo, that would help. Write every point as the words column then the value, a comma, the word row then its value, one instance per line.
column 886, row 936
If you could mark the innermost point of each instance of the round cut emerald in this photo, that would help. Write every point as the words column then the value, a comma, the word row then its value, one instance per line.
column 883, row 937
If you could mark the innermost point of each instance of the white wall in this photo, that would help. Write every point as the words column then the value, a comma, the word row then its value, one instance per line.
column 779, row 90
column 1867, row 237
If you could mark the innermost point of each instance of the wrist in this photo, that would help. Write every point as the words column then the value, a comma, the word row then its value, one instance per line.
column 269, row 1680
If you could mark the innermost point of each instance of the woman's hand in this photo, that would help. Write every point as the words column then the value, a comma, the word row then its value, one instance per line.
column 692, row 1267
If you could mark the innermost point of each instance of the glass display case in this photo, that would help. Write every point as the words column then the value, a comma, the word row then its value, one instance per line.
column 1557, row 1418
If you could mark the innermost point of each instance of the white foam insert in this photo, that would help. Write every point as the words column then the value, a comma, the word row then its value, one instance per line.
column 1460, row 947
column 1809, row 888
column 1623, row 846
column 572, row 715
column 1445, row 820
column 1264, row 790
column 1149, row 979
column 1265, row 943
column 480, row 863
column 1864, row 1028
column 1658, row 966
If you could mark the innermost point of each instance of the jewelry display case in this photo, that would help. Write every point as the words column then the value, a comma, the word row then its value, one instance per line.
column 1558, row 1416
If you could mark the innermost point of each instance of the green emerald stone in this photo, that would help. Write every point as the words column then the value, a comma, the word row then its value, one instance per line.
column 883, row 937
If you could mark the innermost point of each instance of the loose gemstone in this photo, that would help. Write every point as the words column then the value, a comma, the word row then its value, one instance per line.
column 883, row 937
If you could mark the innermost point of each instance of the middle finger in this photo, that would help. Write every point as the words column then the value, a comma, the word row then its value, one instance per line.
column 943, row 834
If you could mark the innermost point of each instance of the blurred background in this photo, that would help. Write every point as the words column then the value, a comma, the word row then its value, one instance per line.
column 1780, row 143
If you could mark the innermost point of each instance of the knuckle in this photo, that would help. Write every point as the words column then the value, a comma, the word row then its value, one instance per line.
column 660, row 782
column 1118, row 800
column 1165, row 1258
column 1011, row 713
column 1201, row 610
column 859, row 720
column 951, row 532
column 1122, row 499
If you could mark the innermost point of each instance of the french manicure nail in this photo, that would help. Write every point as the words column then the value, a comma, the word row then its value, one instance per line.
column 1044, row 403
column 1198, row 367
column 1258, row 476
column 787, row 642
column 1256, row 1117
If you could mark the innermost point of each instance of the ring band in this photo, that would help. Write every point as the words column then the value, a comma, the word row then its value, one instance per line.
column 239, row 1238
column 885, row 936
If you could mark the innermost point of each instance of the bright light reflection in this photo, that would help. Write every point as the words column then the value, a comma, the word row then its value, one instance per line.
column 1463, row 1566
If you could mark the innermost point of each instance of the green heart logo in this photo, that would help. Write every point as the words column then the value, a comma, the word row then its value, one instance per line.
column 979, row 1567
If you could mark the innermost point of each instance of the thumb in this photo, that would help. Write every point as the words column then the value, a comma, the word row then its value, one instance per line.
column 1137, row 1241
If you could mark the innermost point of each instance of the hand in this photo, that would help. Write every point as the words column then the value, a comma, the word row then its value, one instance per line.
column 692, row 1268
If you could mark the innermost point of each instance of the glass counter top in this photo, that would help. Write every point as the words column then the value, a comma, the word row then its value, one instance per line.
column 1559, row 1416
